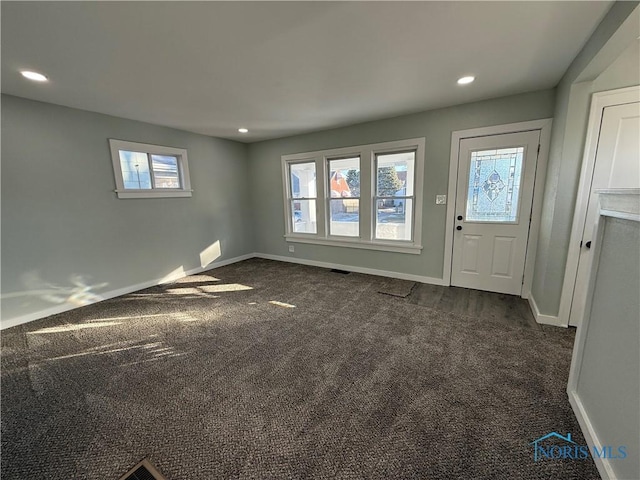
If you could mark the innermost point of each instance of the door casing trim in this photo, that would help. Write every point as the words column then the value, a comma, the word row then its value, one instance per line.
column 599, row 101
column 544, row 126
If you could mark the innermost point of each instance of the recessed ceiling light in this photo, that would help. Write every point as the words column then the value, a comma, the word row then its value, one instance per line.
column 243, row 130
column 38, row 77
column 465, row 80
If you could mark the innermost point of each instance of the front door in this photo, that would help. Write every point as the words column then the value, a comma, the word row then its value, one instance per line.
column 494, row 194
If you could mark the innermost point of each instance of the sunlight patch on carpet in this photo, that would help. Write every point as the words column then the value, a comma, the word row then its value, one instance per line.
column 282, row 304
column 70, row 328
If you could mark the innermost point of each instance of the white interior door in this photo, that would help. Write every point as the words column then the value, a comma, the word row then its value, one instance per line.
column 494, row 195
column 617, row 165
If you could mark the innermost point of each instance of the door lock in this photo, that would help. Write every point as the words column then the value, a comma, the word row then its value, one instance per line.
column 458, row 227
column 459, row 217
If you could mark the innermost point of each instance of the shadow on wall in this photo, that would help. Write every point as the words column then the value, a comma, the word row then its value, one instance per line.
column 78, row 292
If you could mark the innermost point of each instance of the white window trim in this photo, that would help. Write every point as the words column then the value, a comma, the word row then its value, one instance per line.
column 183, row 168
column 328, row 198
column 367, row 154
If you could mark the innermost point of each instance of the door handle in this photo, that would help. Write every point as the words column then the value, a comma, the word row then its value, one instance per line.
column 588, row 244
column 458, row 227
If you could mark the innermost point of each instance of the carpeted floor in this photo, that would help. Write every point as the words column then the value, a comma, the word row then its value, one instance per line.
column 307, row 374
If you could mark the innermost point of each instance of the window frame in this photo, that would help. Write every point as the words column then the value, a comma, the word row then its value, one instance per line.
column 289, row 198
column 367, row 198
column 328, row 198
column 149, row 149
column 377, row 197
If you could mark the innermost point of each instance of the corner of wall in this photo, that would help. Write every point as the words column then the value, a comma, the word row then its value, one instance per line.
column 543, row 319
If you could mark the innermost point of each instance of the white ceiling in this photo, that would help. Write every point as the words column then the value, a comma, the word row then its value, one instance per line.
column 281, row 68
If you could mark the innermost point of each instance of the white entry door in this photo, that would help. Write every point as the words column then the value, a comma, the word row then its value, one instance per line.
column 617, row 165
column 494, row 195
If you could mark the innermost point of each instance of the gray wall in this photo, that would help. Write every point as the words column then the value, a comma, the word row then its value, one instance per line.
column 609, row 378
column 565, row 157
column 435, row 125
column 624, row 72
column 61, row 217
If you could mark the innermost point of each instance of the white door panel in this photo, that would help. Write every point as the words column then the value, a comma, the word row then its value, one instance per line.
column 494, row 195
column 503, row 252
column 617, row 165
column 470, row 251
column 626, row 125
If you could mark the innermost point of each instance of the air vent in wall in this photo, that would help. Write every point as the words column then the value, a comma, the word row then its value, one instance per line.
column 343, row 272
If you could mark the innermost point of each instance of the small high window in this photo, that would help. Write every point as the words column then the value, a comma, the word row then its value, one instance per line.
column 148, row 171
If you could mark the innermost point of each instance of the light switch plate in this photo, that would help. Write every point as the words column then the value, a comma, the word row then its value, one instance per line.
column 292, row 248
column 441, row 199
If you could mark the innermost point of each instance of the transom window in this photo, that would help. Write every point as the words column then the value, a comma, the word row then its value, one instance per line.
column 143, row 170
column 369, row 196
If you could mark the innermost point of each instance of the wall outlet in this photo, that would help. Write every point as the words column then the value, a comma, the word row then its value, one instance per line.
column 292, row 248
column 441, row 199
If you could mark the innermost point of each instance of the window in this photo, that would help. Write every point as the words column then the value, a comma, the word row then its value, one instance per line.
column 302, row 198
column 492, row 172
column 147, row 171
column 369, row 196
column 395, row 176
column 344, row 201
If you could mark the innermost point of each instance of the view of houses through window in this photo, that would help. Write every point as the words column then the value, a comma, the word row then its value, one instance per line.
column 344, row 203
column 136, row 173
column 395, row 174
column 142, row 170
column 370, row 203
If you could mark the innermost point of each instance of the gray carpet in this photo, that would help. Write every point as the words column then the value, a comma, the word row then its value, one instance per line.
column 331, row 380
column 397, row 287
column 488, row 306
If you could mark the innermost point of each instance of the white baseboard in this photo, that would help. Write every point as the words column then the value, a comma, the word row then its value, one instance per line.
column 350, row 268
column 541, row 318
column 12, row 322
column 603, row 464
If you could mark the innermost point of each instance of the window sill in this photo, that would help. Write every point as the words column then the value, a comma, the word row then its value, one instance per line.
column 153, row 193
column 381, row 246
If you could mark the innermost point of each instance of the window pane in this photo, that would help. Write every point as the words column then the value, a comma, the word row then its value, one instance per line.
column 165, row 171
column 304, row 216
column 345, row 217
column 344, row 177
column 303, row 180
column 494, row 185
column 393, row 219
column 395, row 174
column 135, row 170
